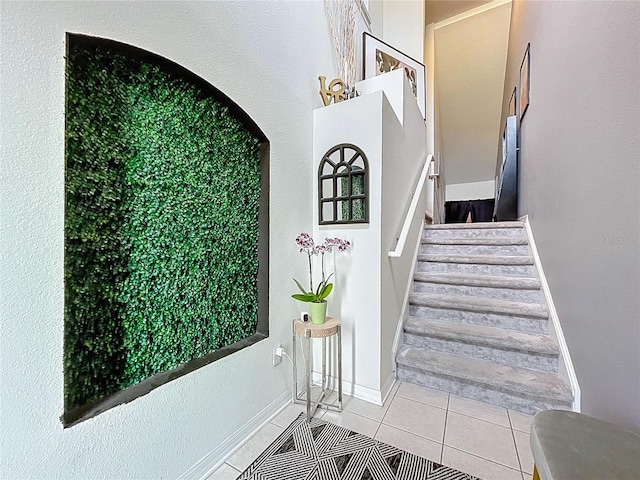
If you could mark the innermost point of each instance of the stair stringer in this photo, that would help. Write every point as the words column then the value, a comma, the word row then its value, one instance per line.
column 565, row 365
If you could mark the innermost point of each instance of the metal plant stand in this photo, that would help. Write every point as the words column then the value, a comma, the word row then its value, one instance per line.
column 307, row 331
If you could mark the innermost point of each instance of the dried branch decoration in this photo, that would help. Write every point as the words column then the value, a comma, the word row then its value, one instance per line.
column 342, row 27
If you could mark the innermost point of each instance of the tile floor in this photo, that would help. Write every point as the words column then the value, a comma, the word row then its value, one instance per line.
column 486, row 441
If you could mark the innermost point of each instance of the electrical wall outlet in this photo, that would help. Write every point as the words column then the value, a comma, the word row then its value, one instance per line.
column 277, row 355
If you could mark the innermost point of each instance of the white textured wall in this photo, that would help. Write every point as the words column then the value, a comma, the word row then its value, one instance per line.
column 471, row 191
column 355, row 299
column 470, row 63
column 404, row 29
column 580, row 185
column 404, row 150
column 266, row 56
column 368, row 293
column 403, row 26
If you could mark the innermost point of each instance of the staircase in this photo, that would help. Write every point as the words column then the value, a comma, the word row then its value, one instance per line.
column 477, row 324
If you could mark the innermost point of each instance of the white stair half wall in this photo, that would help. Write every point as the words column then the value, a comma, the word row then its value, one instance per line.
column 369, row 292
column 480, row 321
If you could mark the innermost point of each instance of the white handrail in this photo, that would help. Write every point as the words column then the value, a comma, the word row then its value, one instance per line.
column 404, row 233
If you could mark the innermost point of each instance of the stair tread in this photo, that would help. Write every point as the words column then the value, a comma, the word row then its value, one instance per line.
column 494, row 281
column 477, row 259
column 482, row 335
column 505, row 378
column 474, row 226
column 479, row 304
column 493, row 241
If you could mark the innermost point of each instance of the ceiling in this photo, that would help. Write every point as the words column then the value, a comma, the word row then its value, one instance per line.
column 438, row 10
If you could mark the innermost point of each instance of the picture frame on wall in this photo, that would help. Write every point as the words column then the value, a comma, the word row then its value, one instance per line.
column 379, row 57
column 512, row 103
column 525, row 81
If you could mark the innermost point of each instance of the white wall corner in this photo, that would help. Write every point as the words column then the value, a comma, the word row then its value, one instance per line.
column 392, row 85
column 403, row 26
column 361, row 392
column 387, row 386
column 566, row 369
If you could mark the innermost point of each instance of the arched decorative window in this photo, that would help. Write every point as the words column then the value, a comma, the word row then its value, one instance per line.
column 343, row 186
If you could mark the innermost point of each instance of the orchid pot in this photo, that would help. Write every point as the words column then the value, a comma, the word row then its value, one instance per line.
column 317, row 298
column 318, row 312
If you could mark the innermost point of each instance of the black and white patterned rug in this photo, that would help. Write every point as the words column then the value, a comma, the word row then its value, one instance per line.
column 323, row 451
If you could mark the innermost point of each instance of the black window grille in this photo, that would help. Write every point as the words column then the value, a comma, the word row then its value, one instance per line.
column 343, row 186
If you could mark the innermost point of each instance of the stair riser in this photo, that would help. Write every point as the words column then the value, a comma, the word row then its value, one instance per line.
column 473, row 233
column 532, row 361
column 482, row 393
column 475, row 269
column 533, row 296
column 511, row 322
column 437, row 249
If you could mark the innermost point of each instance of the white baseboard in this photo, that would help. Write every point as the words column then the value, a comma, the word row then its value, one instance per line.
column 363, row 393
column 566, row 365
column 388, row 386
column 367, row 394
column 204, row 467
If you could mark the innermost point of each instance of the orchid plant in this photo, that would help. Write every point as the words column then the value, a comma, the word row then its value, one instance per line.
column 308, row 246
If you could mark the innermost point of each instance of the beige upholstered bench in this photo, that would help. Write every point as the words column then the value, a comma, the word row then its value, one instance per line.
column 572, row 446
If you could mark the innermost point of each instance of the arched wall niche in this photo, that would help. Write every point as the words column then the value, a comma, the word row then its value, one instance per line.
column 166, row 225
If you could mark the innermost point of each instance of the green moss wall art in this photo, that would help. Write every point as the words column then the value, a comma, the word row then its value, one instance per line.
column 166, row 225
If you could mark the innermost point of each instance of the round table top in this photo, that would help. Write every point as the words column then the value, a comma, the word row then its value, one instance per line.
column 326, row 329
